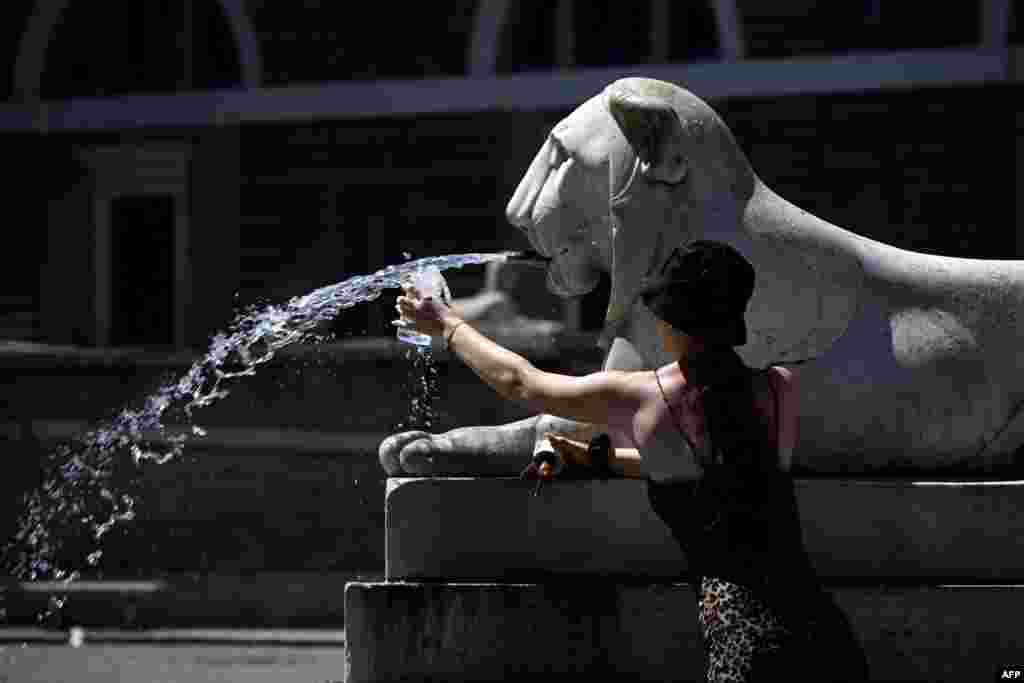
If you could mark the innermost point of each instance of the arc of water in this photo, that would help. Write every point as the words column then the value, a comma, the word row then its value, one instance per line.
column 81, row 490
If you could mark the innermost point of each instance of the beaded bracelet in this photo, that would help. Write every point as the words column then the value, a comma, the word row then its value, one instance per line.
column 599, row 451
column 448, row 339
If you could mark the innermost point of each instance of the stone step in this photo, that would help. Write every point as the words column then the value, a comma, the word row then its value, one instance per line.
column 856, row 531
column 270, row 600
column 574, row 631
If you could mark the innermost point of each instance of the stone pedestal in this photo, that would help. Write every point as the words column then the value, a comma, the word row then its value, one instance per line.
column 508, row 632
column 884, row 531
column 486, row 582
column 564, row 631
column 487, row 529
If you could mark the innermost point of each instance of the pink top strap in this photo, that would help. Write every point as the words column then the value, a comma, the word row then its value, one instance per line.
column 690, row 421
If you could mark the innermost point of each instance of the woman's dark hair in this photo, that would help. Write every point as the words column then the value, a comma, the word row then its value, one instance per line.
column 703, row 290
column 739, row 434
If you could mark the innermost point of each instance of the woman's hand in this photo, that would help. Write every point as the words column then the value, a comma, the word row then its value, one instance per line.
column 573, row 453
column 427, row 316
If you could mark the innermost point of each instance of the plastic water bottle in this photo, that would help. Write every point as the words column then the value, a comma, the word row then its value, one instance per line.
column 430, row 283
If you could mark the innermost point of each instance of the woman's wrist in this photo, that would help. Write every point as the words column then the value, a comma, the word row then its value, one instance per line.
column 450, row 325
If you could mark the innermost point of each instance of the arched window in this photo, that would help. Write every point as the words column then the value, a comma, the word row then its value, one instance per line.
column 131, row 47
column 308, row 41
column 600, row 33
column 139, row 47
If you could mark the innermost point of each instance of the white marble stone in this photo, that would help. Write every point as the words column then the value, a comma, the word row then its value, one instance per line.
column 907, row 361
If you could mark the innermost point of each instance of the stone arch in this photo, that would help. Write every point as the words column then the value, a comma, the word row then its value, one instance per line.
column 28, row 66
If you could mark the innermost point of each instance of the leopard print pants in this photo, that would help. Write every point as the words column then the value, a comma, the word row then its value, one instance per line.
column 738, row 628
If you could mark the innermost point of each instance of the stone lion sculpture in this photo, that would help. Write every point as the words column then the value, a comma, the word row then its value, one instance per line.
column 907, row 361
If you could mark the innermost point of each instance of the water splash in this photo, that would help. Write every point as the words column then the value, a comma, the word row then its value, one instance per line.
column 421, row 388
column 88, row 488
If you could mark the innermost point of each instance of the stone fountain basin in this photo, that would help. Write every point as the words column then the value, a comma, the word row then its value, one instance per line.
column 483, row 580
column 880, row 530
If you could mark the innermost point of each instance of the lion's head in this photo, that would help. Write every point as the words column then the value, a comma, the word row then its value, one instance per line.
column 646, row 165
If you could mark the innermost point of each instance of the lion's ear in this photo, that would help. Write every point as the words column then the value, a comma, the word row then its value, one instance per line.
column 652, row 127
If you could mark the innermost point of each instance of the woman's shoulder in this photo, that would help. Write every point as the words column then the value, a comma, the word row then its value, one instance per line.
column 782, row 377
column 783, row 383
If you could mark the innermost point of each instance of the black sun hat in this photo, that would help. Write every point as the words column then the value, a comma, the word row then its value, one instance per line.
column 703, row 290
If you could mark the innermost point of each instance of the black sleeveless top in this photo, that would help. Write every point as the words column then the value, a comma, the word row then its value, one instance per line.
column 739, row 521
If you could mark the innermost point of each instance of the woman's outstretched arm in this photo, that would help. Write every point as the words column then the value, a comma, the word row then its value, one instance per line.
column 601, row 397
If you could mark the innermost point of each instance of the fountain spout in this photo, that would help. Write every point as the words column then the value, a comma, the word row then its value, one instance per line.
column 528, row 258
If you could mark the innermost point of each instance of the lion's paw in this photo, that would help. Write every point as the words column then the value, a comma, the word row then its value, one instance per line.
column 411, row 453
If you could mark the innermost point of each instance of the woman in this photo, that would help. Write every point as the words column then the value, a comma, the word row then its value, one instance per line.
column 714, row 439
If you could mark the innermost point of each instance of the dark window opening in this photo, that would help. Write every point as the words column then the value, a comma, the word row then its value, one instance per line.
column 528, row 38
column 693, row 33
column 612, row 33
column 142, row 271
column 139, row 47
